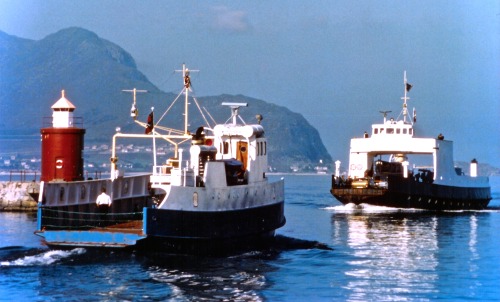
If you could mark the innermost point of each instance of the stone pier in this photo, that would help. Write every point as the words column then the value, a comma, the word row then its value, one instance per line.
column 15, row 197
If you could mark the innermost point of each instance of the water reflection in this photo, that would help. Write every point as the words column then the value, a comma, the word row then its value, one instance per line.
column 393, row 254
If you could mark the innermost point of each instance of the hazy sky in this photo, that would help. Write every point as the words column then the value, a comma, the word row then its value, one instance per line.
column 337, row 62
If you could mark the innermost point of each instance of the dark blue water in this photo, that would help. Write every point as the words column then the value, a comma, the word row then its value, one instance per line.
column 377, row 254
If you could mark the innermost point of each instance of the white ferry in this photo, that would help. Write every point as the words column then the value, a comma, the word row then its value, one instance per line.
column 393, row 167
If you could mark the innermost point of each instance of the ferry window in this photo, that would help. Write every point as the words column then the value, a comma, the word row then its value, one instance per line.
column 381, row 130
column 404, row 131
column 226, row 148
column 411, row 131
column 375, row 131
column 398, row 131
column 390, row 130
column 61, row 194
column 83, row 192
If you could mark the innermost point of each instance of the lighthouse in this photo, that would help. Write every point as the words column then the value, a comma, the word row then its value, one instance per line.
column 62, row 144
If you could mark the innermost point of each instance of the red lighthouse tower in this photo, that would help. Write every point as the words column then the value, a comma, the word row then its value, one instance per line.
column 62, row 145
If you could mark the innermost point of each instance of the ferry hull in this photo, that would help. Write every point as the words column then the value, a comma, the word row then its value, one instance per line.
column 216, row 232
column 409, row 194
column 167, row 231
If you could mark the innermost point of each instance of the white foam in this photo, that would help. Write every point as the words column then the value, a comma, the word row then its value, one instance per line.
column 367, row 208
column 45, row 258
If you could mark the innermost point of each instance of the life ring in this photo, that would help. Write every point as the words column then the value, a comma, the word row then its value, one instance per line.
column 359, row 167
column 353, row 167
column 59, row 164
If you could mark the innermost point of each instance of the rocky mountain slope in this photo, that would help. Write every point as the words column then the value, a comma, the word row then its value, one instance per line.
column 93, row 72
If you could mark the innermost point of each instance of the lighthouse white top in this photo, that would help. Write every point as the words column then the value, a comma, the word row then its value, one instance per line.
column 62, row 115
column 63, row 104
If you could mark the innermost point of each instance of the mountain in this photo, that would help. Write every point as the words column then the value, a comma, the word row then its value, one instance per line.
column 93, row 72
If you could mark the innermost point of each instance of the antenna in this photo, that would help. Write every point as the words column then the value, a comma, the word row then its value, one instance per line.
column 187, row 87
column 234, row 109
column 133, row 111
column 385, row 114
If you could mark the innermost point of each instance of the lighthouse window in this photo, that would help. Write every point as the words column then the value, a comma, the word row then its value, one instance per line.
column 265, row 148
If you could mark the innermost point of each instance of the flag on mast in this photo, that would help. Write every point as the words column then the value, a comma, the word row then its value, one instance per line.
column 150, row 124
column 408, row 87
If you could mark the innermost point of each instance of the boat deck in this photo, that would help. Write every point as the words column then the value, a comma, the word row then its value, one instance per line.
column 131, row 227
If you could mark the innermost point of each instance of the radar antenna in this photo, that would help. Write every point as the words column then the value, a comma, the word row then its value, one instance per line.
column 384, row 113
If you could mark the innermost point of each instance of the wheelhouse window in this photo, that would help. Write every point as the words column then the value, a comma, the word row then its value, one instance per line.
column 224, row 147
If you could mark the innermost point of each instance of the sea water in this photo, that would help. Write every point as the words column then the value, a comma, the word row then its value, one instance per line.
column 359, row 254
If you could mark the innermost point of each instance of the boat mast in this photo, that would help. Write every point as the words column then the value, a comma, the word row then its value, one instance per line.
column 187, row 88
column 407, row 87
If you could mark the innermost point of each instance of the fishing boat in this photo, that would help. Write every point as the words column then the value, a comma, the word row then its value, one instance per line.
column 211, row 196
column 393, row 167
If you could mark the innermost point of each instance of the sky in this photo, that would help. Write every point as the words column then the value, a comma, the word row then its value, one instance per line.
column 337, row 62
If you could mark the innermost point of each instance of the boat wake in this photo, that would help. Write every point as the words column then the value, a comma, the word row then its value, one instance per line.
column 367, row 208
column 20, row 256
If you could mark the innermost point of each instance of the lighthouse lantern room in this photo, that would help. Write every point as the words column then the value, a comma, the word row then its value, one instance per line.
column 62, row 145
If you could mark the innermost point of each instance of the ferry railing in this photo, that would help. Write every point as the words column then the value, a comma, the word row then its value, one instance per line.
column 86, row 192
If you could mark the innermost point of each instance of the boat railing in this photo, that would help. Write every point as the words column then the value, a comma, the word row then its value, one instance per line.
column 59, row 219
column 177, row 175
column 86, row 192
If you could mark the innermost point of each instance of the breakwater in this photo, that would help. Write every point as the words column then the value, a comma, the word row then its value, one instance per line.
column 15, row 196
